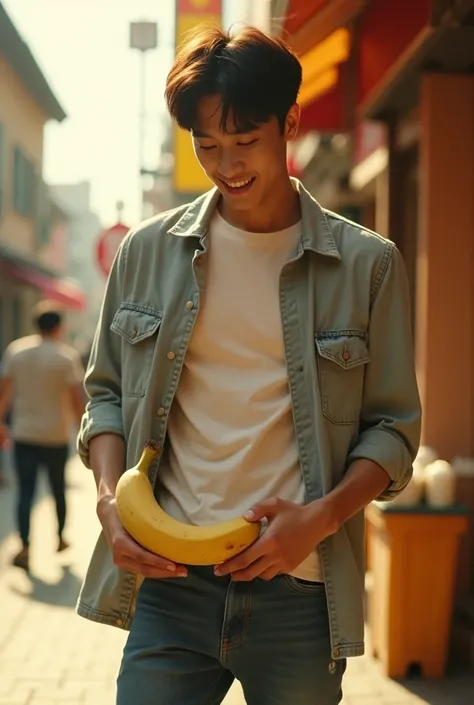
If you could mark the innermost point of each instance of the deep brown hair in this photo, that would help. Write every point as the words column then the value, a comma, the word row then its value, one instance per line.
column 47, row 316
column 257, row 77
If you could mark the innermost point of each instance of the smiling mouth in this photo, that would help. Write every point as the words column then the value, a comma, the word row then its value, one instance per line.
column 239, row 185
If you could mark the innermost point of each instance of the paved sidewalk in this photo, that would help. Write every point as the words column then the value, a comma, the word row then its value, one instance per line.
column 50, row 656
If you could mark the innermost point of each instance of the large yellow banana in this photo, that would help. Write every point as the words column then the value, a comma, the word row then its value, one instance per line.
column 159, row 533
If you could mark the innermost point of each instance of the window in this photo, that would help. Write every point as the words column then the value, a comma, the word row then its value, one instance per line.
column 23, row 183
column 44, row 215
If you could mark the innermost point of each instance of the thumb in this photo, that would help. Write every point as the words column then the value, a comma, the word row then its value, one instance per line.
column 268, row 509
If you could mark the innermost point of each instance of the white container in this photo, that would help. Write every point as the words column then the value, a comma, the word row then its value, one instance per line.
column 426, row 455
column 440, row 484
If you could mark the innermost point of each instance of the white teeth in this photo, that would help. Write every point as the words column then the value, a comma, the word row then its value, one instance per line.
column 238, row 184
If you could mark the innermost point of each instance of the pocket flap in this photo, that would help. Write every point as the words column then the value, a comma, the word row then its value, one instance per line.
column 135, row 323
column 346, row 350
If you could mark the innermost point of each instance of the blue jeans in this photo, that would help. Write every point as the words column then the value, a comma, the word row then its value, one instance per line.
column 29, row 458
column 190, row 637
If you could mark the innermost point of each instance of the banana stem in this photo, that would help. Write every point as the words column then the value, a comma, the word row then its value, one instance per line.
column 150, row 451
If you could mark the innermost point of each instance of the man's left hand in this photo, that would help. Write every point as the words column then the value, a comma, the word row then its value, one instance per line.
column 293, row 533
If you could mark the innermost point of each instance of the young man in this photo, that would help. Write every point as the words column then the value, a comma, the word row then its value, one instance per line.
column 42, row 377
column 265, row 344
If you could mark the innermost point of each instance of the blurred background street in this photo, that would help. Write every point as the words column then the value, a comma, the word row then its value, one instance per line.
column 386, row 140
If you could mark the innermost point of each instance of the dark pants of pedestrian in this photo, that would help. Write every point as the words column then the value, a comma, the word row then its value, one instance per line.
column 190, row 637
column 29, row 459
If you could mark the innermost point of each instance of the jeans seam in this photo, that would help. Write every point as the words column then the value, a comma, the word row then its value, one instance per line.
column 235, row 644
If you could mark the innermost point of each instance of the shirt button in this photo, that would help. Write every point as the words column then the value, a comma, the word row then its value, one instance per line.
column 335, row 653
column 190, row 305
column 171, row 355
column 119, row 622
column 346, row 355
column 160, row 412
column 134, row 331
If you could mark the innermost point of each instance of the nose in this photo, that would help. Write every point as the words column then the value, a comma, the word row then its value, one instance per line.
column 230, row 164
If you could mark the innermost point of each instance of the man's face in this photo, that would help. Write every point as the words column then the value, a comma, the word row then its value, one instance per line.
column 244, row 167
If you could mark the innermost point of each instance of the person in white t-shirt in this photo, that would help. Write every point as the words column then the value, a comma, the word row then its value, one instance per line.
column 41, row 378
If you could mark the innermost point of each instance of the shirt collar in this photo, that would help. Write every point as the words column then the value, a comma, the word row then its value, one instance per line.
column 316, row 232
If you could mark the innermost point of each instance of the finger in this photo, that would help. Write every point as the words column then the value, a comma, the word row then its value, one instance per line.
column 255, row 570
column 243, row 560
column 270, row 573
column 148, row 571
column 268, row 508
column 125, row 545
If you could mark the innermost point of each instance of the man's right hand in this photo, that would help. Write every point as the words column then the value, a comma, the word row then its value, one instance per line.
column 127, row 553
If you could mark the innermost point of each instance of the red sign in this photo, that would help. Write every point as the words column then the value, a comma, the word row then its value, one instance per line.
column 108, row 244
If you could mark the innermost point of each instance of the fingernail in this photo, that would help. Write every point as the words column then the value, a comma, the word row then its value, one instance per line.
column 217, row 571
column 171, row 567
column 249, row 515
column 182, row 575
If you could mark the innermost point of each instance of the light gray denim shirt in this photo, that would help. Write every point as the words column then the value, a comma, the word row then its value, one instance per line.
column 346, row 325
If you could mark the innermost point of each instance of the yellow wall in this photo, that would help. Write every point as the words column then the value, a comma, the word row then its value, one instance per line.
column 23, row 123
column 188, row 176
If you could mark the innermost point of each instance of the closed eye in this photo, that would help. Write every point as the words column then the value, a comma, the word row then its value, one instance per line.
column 206, row 148
column 247, row 144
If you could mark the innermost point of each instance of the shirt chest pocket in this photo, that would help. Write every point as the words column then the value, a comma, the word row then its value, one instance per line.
column 341, row 361
column 137, row 326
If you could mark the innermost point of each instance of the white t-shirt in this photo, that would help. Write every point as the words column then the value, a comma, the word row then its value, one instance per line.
column 231, row 430
column 42, row 372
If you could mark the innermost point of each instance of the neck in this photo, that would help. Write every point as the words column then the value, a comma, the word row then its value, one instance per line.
column 278, row 211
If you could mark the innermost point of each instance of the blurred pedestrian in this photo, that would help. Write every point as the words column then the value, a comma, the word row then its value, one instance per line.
column 41, row 378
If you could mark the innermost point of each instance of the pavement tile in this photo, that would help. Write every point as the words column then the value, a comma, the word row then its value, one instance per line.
column 73, row 691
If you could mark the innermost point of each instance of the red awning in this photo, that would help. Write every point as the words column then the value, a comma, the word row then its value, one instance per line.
column 388, row 33
column 309, row 22
column 299, row 11
column 326, row 114
column 60, row 290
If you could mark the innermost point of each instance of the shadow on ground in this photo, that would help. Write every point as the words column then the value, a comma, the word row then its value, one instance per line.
column 449, row 691
column 62, row 593
column 8, row 493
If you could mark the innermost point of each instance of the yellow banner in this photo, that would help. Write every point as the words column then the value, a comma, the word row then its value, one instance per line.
column 188, row 176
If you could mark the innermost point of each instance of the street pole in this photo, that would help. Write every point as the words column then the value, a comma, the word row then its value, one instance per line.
column 142, row 135
column 144, row 37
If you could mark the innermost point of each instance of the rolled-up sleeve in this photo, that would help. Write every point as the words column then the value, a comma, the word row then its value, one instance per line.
column 390, row 424
column 103, row 378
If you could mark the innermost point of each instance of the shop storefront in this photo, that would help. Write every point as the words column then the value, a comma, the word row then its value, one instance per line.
column 22, row 284
column 398, row 79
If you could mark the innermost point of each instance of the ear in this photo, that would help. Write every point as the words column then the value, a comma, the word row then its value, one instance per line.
column 292, row 122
